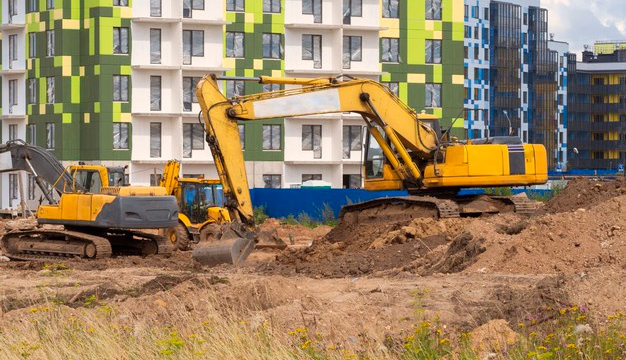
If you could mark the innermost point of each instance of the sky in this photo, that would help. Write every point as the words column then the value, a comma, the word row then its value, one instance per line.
column 581, row 22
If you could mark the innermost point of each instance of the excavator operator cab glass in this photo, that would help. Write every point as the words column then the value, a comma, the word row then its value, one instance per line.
column 433, row 124
column 374, row 158
column 89, row 179
column 117, row 177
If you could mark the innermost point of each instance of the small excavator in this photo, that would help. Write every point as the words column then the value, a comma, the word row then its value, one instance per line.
column 99, row 215
column 404, row 150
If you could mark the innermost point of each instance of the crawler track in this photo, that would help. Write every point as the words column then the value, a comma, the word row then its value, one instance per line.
column 48, row 244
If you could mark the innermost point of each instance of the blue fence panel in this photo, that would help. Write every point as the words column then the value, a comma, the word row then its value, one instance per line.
column 280, row 203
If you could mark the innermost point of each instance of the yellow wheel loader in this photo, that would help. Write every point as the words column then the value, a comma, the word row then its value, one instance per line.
column 200, row 207
column 99, row 216
column 404, row 150
column 202, row 215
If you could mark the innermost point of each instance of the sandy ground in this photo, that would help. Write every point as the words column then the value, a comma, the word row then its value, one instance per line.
column 355, row 285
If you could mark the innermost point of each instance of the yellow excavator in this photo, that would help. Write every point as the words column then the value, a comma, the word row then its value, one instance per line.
column 404, row 150
column 99, row 215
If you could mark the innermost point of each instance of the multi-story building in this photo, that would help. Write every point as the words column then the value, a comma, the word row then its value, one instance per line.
column 512, row 74
column 112, row 82
column 597, row 111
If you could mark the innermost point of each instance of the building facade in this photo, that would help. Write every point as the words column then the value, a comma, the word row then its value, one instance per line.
column 516, row 77
column 111, row 81
column 597, row 110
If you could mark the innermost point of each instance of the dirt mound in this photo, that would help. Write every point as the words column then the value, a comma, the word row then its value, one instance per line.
column 356, row 248
column 566, row 242
column 585, row 193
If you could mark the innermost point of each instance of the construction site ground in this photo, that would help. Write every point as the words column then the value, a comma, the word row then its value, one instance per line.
column 369, row 277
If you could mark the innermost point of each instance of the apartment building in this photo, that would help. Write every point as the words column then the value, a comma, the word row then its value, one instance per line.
column 515, row 75
column 111, row 82
column 597, row 109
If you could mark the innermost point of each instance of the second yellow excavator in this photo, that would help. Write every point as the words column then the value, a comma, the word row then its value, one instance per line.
column 404, row 150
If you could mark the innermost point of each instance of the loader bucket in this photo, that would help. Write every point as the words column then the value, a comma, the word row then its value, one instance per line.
column 230, row 248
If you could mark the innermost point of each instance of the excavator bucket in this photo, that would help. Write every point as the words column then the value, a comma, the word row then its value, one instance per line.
column 269, row 239
column 229, row 248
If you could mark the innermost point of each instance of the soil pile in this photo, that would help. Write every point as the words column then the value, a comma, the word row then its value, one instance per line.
column 565, row 242
column 360, row 247
column 585, row 193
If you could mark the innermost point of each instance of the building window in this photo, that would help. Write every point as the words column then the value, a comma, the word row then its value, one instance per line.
column 50, row 136
column 235, row 44
column 155, row 93
column 31, row 187
column 32, row 45
column 351, row 181
column 393, row 87
column 120, row 2
column 476, row 32
column 12, row 132
column 433, row 51
column 309, row 177
column 272, row 137
column 433, row 10
column 352, row 8
column 466, row 11
column 193, row 138
column 525, row 136
column 12, row 187
column 155, row 179
column 235, row 5
column 50, row 43
column 312, row 139
column 433, row 95
column 351, row 139
column 155, row 8
column 468, row 32
column 486, row 13
column 476, row 52
column 120, row 87
column 50, row 4
column 120, row 40
column 272, row 180
column 193, row 45
column 272, row 48
column 271, row 87
column 486, row 55
column 155, row 139
column 313, row 7
column 234, row 88
column 32, row 7
column 242, row 135
column 390, row 50
column 312, row 49
column 120, row 136
column 155, row 46
column 189, row 91
column 12, row 95
column 12, row 50
column 190, row 5
column 390, row 9
column 32, row 91
column 50, row 92
column 352, row 50
column 271, row 6
column 31, row 134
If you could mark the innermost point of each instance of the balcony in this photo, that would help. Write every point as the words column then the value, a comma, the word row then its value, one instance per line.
column 597, row 144
column 618, row 126
column 593, row 164
column 597, row 108
column 597, row 89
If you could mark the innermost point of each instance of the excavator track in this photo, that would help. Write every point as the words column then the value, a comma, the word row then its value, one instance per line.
column 44, row 244
column 429, row 206
column 49, row 244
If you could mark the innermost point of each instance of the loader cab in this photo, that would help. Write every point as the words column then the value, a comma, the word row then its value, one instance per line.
column 198, row 196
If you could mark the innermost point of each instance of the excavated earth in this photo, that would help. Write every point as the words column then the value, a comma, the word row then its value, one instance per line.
column 360, row 280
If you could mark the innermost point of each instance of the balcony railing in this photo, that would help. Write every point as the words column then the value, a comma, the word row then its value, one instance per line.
column 597, row 108
column 593, row 164
column 597, row 126
column 597, row 89
column 597, row 144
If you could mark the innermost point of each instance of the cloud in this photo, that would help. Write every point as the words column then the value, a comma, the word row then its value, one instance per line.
column 581, row 22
